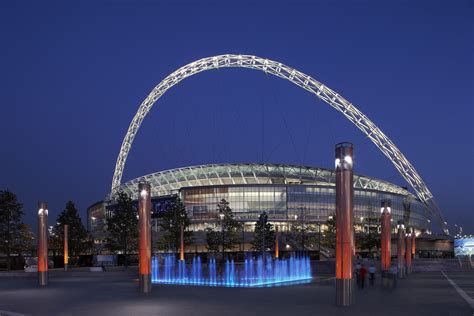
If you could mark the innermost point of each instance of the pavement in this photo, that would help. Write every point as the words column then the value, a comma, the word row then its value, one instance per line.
column 428, row 293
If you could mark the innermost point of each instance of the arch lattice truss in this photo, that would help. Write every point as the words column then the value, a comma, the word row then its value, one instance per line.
column 300, row 79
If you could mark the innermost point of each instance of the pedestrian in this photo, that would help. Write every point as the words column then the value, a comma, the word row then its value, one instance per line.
column 357, row 273
column 363, row 273
column 372, row 273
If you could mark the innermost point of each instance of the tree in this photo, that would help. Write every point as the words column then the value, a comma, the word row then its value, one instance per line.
column 78, row 239
column 24, row 242
column 213, row 240
column 329, row 236
column 230, row 227
column 264, row 234
column 10, row 223
column 369, row 239
column 172, row 219
column 302, row 232
column 123, row 225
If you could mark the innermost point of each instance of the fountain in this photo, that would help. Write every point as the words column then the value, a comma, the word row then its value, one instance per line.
column 258, row 272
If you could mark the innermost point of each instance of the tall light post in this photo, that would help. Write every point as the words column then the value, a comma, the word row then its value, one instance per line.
column 181, row 246
column 43, row 244
column 262, row 225
column 386, row 238
column 222, row 216
column 243, row 237
column 408, row 251
column 319, row 240
column 144, row 232
column 277, row 240
column 66, row 247
column 296, row 218
column 344, row 224
column 400, row 249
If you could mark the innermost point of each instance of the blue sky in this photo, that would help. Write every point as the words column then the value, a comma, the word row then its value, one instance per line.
column 73, row 75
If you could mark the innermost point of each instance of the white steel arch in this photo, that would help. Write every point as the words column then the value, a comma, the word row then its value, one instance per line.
column 300, row 79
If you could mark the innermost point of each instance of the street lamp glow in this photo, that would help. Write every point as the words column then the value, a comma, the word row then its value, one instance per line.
column 221, row 215
column 42, row 211
column 338, row 161
column 143, row 194
column 348, row 159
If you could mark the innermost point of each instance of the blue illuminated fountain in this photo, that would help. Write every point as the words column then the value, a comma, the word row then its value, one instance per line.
column 252, row 273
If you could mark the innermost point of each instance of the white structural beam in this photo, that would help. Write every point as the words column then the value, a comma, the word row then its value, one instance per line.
column 300, row 79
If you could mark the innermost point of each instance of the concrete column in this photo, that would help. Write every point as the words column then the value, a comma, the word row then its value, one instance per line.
column 144, row 233
column 43, row 244
column 401, row 250
column 66, row 247
column 277, row 237
column 181, row 248
column 344, row 224
column 408, row 252
column 386, row 237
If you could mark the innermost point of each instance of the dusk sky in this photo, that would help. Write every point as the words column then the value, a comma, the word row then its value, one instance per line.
column 73, row 74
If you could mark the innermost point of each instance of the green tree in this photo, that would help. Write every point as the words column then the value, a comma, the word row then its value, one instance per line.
column 25, row 242
column 213, row 240
column 329, row 235
column 369, row 239
column 171, row 221
column 230, row 227
column 123, row 225
column 78, row 239
column 264, row 234
column 10, row 223
column 302, row 232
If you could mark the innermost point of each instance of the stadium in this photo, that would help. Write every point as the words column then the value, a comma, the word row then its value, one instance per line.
column 287, row 193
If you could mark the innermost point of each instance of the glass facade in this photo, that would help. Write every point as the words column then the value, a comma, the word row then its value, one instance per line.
column 284, row 203
column 284, row 192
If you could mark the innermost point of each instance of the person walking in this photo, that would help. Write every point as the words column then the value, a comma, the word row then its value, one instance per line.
column 363, row 274
column 357, row 273
column 372, row 274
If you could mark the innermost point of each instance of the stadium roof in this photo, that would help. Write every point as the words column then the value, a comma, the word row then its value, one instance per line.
column 170, row 181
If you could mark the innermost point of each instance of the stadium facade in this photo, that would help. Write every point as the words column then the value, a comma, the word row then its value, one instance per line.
column 287, row 193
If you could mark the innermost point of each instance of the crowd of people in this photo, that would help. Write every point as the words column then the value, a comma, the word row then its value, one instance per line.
column 361, row 272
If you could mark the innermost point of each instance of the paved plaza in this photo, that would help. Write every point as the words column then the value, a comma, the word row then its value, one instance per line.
column 428, row 293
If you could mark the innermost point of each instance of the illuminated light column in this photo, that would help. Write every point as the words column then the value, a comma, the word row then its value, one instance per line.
column 344, row 224
column 43, row 244
column 386, row 237
column 400, row 250
column 408, row 252
column 144, row 232
column 413, row 243
column 181, row 248
column 66, row 247
column 277, row 237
